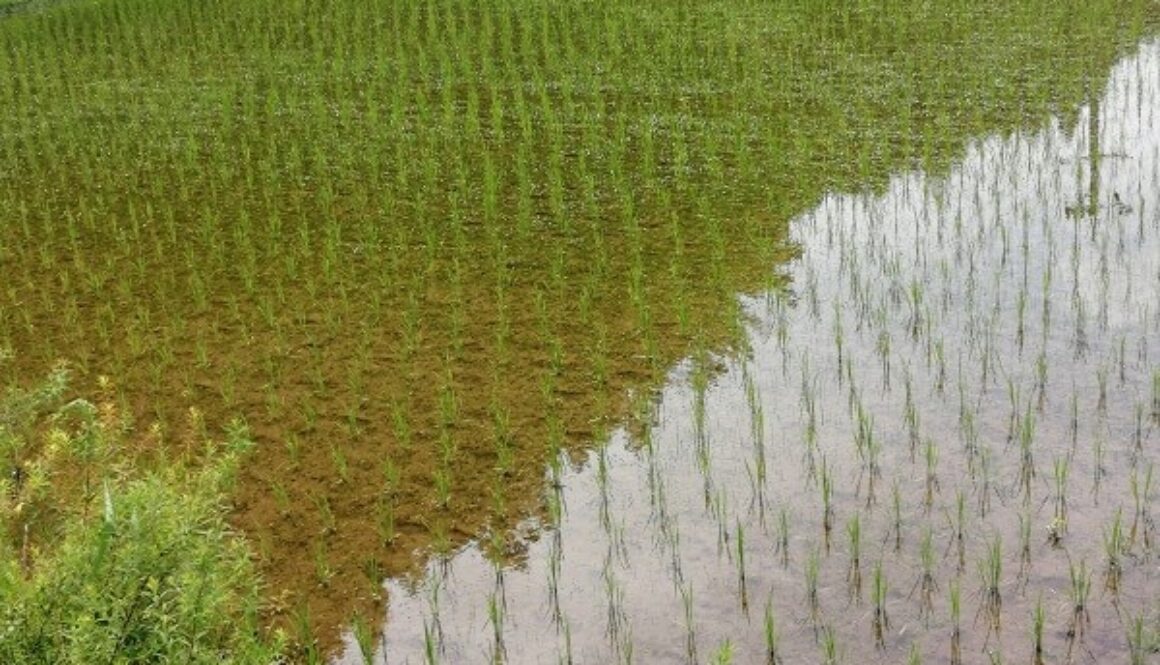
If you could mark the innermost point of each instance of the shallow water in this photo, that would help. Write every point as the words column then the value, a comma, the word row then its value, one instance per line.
column 1004, row 317
column 418, row 268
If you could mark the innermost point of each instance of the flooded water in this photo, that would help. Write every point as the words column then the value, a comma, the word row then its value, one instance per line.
column 959, row 388
column 435, row 256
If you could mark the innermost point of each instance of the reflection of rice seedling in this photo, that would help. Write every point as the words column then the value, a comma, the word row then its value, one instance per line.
column 364, row 638
column 1141, row 519
column 495, row 617
column 742, row 588
column 985, row 476
column 1037, row 632
column 926, row 584
column 690, row 627
column 829, row 647
column 990, row 573
column 1102, row 390
column 1141, row 641
column 910, row 416
column 958, row 525
column 1026, row 461
column 1138, row 432
column 839, row 338
column 772, row 636
column 616, row 626
column 1156, row 395
column 1080, row 588
column 827, row 489
column 555, row 556
column 1073, row 422
column 930, row 454
column 430, row 645
column 1024, row 545
column 881, row 621
column 783, row 537
column 854, row 571
column 306, row 645
column 941, row 365
column 1097, row 463
column 956, row 656
column 812, row 588
column 1059, row 473
column 882, row 346
column 896, row 511
column 1114, row 545
column 1020, row 311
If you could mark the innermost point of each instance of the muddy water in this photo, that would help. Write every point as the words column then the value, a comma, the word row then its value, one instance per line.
column 973, row 355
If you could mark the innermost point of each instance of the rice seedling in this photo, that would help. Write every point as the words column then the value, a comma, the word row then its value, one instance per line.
column 724, row 654
column 338, row 459
column 385, row 519
column 323, row 571
column 315, row 189
column 772, row 636
column 326, row 514
column 281, row 497
column 442, row 484
column 990, row 574
column 306, row 644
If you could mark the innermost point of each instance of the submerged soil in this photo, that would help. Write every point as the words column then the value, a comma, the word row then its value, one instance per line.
column 429, row 280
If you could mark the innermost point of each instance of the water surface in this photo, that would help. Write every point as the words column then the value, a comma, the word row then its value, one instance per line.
column 986, row 336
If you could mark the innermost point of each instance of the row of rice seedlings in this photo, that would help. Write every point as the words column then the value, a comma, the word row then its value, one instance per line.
column 991, row 567
column 304, row 255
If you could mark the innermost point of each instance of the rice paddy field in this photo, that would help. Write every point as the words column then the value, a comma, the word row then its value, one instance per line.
column 619, row 330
